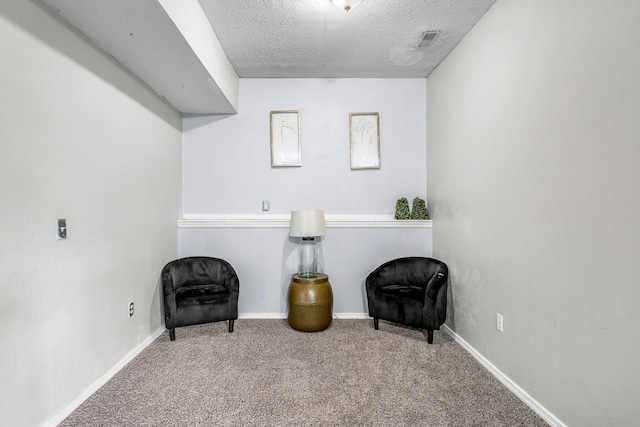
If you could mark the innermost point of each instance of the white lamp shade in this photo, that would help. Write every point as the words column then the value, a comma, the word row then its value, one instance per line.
column 307, row 223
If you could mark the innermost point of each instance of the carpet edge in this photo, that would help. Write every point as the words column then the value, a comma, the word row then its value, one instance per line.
column 102, row 380
column 336, row 316
column 543, row 412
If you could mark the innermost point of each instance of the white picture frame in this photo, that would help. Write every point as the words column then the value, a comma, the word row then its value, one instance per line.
column 364, row 139
column 285, row 138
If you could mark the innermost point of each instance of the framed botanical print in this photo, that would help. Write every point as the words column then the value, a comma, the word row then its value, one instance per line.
column 364, row 135
column 285, row 138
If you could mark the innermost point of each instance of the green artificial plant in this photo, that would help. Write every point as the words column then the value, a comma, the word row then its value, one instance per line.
column 402, row 209
column 419, row 209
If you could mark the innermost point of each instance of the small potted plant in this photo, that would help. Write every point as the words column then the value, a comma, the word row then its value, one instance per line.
column 402, row 209
column 419, row 209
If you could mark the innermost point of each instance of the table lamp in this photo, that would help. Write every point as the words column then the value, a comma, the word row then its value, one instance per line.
column 308, row 225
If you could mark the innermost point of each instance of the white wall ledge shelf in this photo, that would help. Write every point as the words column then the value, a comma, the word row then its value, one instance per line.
column 282, row 221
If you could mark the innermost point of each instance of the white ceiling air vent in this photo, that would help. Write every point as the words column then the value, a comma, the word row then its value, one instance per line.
column 427, row 38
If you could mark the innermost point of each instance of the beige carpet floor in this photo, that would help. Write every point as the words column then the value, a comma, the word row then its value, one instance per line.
column 267, row 374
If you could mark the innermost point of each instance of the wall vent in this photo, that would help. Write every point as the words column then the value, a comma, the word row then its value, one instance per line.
column 427, row 38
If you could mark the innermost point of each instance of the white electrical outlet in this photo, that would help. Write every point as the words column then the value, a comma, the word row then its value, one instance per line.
column 499, row 322
column 131, row 310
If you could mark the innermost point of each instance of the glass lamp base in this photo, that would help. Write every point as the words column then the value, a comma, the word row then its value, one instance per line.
column 308, row 265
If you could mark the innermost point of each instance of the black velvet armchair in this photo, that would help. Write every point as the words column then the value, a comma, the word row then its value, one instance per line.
column 411, row 291
column 199, row 290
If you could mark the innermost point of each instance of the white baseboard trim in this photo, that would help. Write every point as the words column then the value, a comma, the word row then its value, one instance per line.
column 262, row 315
column 103, row 379
column 58, row 418
column 519, row 392
column 515, row 388
column 284, row 316
column 351, row 316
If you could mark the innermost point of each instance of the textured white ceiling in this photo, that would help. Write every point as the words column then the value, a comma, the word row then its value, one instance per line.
column 314, row 38
column 170, row 46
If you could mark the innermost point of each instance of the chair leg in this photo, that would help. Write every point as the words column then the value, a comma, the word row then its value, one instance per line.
column 375, row 323
column 430, row 336
column 230, row 326
column 172, row 334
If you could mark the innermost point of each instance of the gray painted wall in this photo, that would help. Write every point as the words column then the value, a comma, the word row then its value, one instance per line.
column 227, row 169
column 265, row 259
column 534, row 186
column 80, row 139
column 227, row 163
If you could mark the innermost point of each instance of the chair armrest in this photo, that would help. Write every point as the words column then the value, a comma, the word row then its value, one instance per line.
column 231, row 280
column 436, row 282
column 168, row 282
column 169, row 293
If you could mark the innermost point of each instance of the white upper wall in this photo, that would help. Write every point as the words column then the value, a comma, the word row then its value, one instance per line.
column 534, row 188
column 227, row 163
column 84, row 140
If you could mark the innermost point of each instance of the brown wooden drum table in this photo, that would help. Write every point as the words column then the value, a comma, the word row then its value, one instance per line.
column 310, row 303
